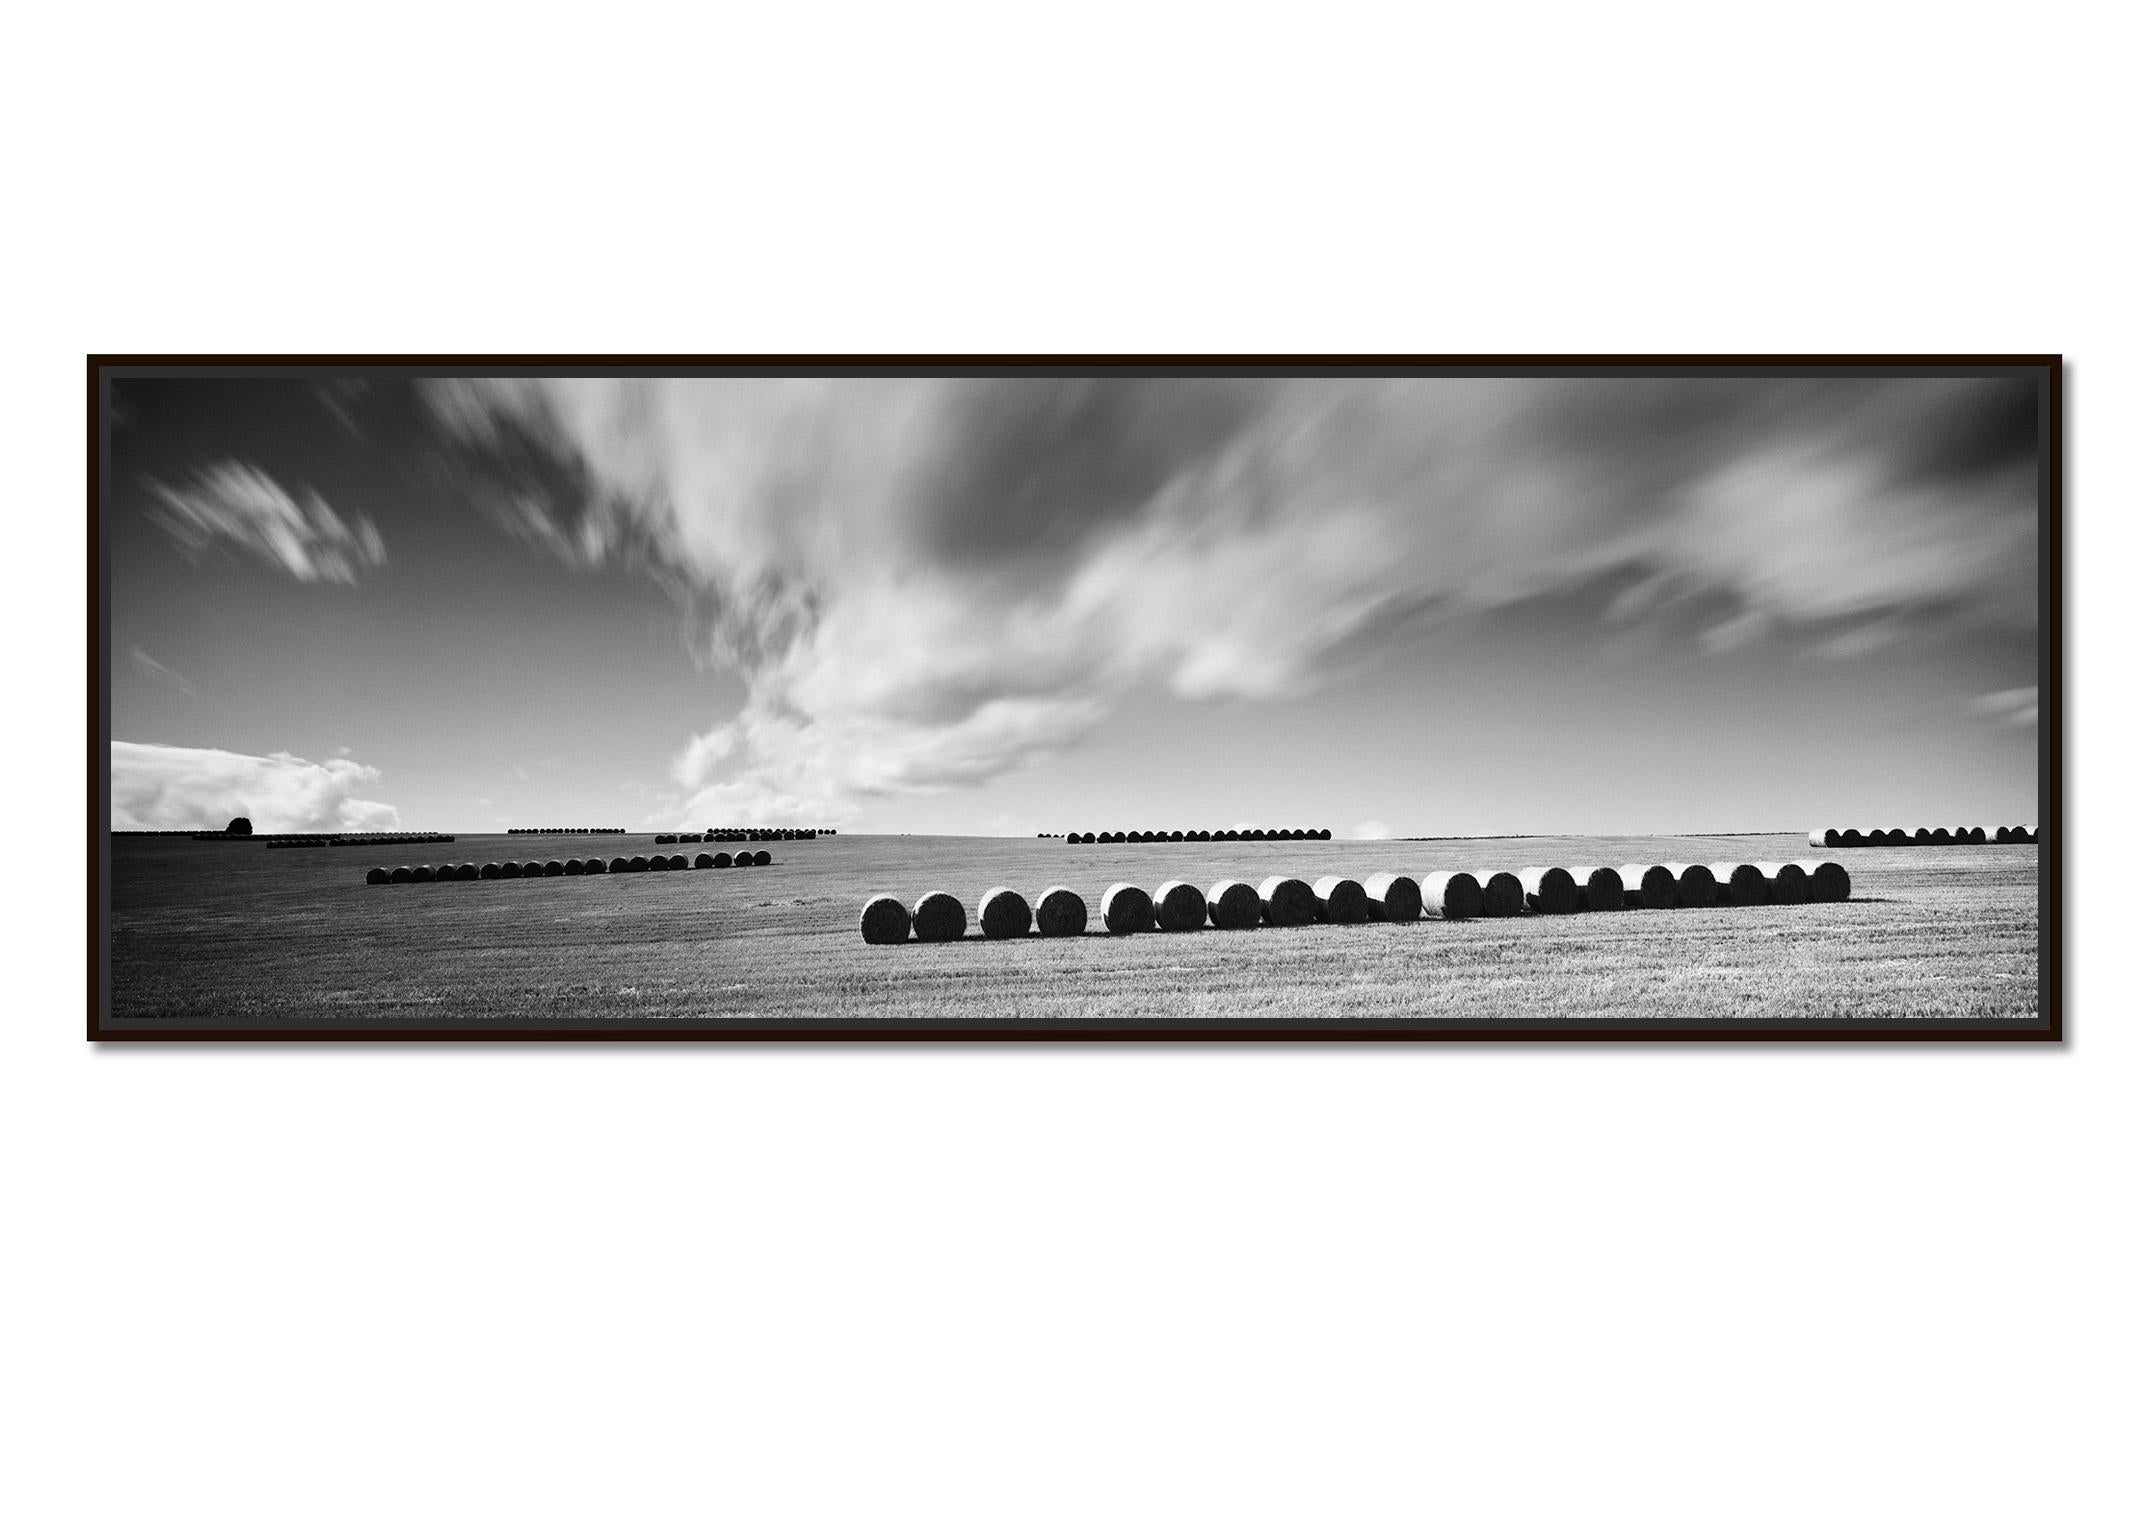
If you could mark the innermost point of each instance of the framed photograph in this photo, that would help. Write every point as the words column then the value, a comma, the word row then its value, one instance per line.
column 1075, row 698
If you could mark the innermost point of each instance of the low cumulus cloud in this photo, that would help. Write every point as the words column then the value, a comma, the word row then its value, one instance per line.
column 241, row 505
column 155, row 785
column 928, row 583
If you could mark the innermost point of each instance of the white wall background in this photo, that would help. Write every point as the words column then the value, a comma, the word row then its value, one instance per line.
column 529, row 1291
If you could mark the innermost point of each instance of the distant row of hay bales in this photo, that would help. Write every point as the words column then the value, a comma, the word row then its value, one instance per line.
column 560, row 832
column 760, row 835
column 1288, row 902
column 1853, row 838
column 1196, row 836
column 620, row 865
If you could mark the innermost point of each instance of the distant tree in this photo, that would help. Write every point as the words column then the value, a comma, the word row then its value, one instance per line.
column 243, row 827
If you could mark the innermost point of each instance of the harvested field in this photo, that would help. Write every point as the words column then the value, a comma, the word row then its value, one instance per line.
column 223, row 930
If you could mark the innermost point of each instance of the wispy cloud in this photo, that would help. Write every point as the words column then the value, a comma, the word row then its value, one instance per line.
column 155, row 785
column 927, row 583
column 2015, row 707
column 149, row 667
column 241, row 505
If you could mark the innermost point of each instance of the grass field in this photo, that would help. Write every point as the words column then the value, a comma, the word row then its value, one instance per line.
column 236, row 930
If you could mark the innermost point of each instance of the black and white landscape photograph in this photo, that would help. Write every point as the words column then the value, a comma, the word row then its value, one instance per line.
column 1094, row 696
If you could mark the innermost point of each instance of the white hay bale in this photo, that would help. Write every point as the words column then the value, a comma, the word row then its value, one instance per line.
column 1503, row 893
column 1821, row 838
column 1649, row 886
column 1603, row 891
column 1339, row 900
column 1452, row 894
column 1698, row 888
column 1003, row 913
column 939, row 917
column 1393, row 898
column 1286, row 902
column 1127, row 909
column 1831, row 883
column 1549, row 889
column 1741, row 884
column 1061, row 912
column 884, row 920
column 1788, row 881
column 1234, row 905
column 1180, row 906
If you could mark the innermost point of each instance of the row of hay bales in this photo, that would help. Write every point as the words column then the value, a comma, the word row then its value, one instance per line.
column 765, row 835
column 508, row 870
column 1853, row 838
column 1194, row 836
column 353, row 840
column 1384, row 897
column 560, row 832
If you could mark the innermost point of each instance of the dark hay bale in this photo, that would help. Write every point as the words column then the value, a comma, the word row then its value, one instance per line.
column 466, row 872
column 1003, row 913
column 676, row 862
column 574, row 867
column 1979, row 836
column 1898, row 837
column 1741, row 885
column 422, row 873
column 533, row 867
column 1603, row 891
column 761, row 857
column 1339, row 900
column 1453, row 894
column 1698, row 888
column 1128, row 909
column 378, row 876
column 1074, row 838
column 1174, row 837
column 555, row 868
column 510, row 870
column 705, row 861
column 1939, row 836
column 619, row 865
column 1649, row 886
column 939, row 917
column 1089, row 838
column 1549, row 889
column 2022, row 835
column 721, row 860
column 884, row 921
column 399, row 875
column 1831, row 883
column 1234, row 905
column 1822, row 838
column 1180, row 906
column 1849, row 838
column 1061, row 912
column 1788, row 882
column 1394, row 899
column 1503, row 893
column 1286, row 902
column 1962, row 835
column 743, row 857
column 638, row 864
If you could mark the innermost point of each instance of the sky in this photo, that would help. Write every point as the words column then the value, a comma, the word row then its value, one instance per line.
column 1383, row 606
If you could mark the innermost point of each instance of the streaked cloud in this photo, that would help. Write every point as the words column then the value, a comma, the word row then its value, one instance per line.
column 241, row 505
column 928, row 583
column 156, row 785
column 150, row 668
column 2015, row 707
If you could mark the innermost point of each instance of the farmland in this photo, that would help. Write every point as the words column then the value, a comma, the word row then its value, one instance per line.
column 213, row 930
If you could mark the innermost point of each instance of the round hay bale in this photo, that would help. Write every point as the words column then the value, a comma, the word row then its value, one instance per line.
column 1234, row 905
column 555, row 868
column 1898, row 837
column 1286, row 902
column 1788, row 881
column 533, row 867
column 1503, row 893
column 884, row 920
column 466, row 872
column 510, row 869
column 574, row 867
column 1549, row 889
column 1849, row 838
column 399, row 875
column 1003, row 913
column 378, row 876
column 638, row 864
column 1742, row 885
column 1649, row 886
column 721, row 860
column 939, row 917
column 1979, row 836
column 1061, row 912
column 1821, row 838
column 1395, row 899
column 1089, row 838
column 1603, row 891
column 2022, row 835
column 743, row 857
column 1074, row 838
column 1179, row 906
column 1128, row 909
column 618, row 865
column 761, row 857
column 1453, row 894
column 676, row 862
column 1698, row 888
column 1831, row 883
column 422, row 873
column 705, row 861
column 1339, row 900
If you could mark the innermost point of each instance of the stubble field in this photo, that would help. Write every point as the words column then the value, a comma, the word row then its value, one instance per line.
column 236, row 931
